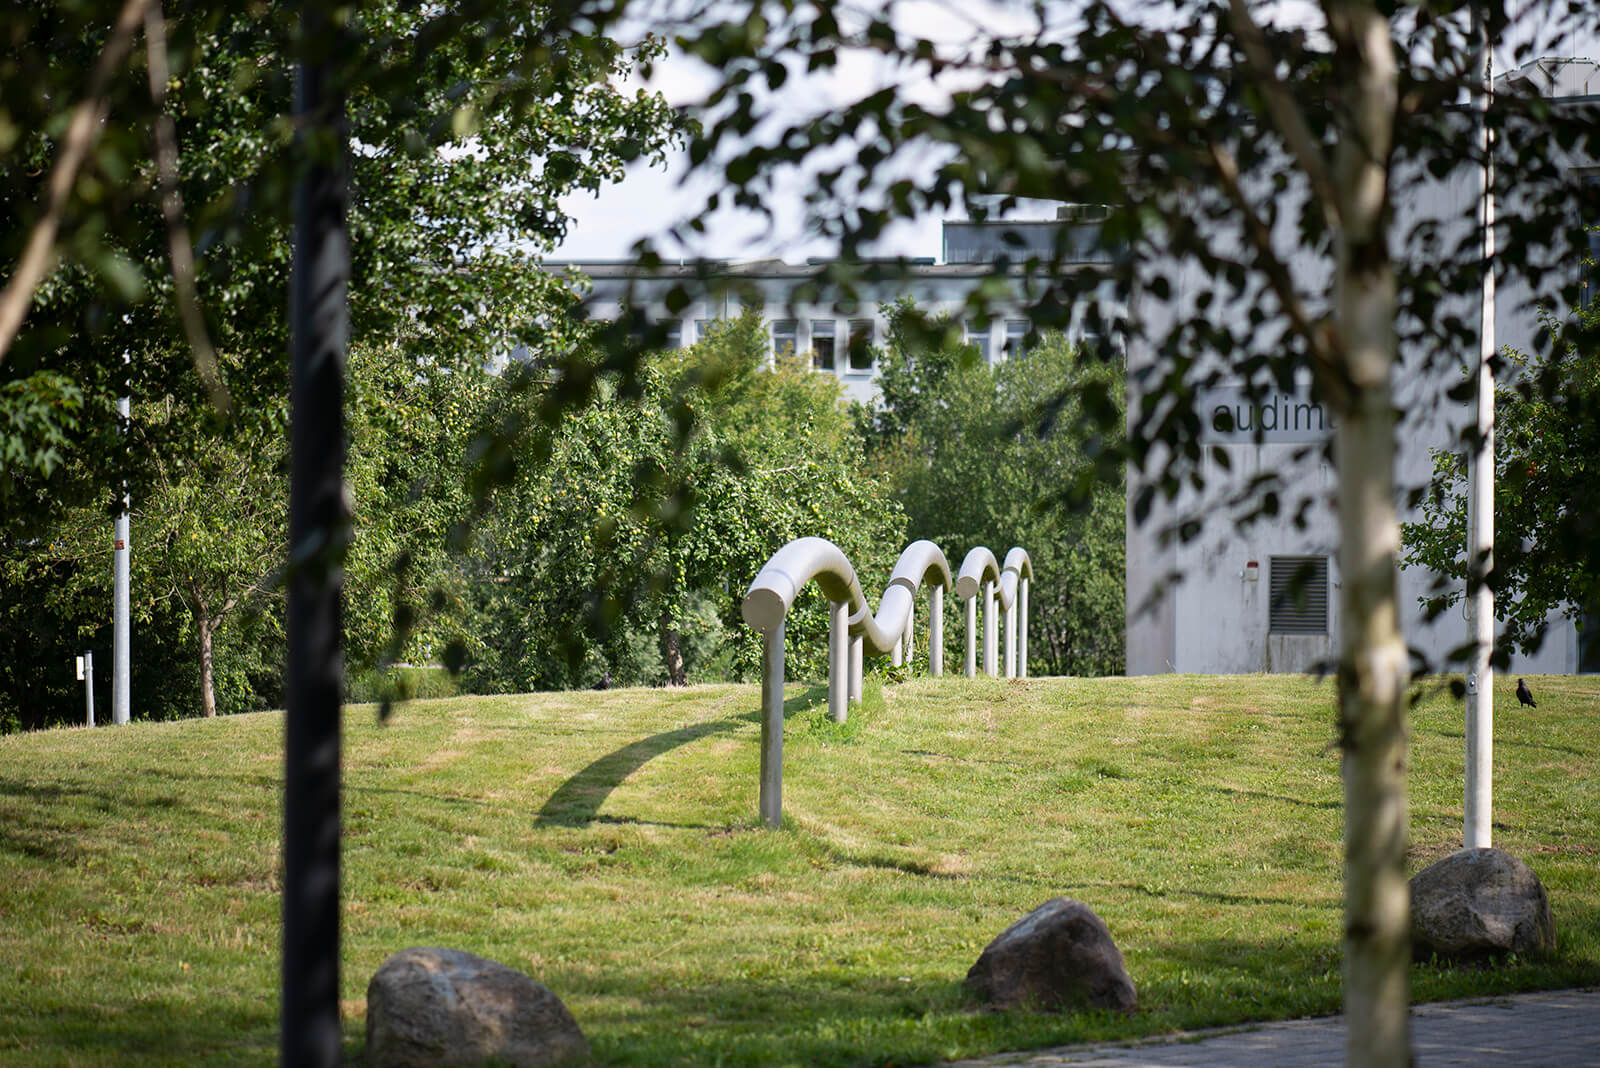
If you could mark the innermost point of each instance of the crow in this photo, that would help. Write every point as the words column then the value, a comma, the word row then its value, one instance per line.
column 1524, row 695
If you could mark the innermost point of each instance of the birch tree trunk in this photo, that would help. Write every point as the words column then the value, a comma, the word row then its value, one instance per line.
column 1373, row 666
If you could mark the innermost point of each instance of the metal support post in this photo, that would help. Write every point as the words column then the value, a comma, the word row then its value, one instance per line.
column 88, row 685
column 1011, row 640
column 936, row 631
column 839, row 660
column 310, row 1034
column 856, row 651
column 1478, row 788
column 991, row 632
column 772, row 726
column 972, row 637
column 1022, row 629
column 121, row 631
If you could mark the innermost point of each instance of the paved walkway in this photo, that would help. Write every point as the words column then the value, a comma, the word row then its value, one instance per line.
column 1559, row 1029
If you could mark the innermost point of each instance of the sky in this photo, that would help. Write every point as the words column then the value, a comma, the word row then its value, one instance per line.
column 606, row 225
column 650, row 198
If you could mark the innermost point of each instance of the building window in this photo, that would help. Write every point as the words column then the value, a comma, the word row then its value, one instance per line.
column 822, row 344
column 861, row 342
column 1298, row 588
column 702, row 329
column 674, row 333
column 978, row 334
column 784, row 333
column 1016, row 331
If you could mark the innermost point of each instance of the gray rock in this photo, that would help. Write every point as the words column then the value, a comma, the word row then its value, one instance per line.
column 448, row 1008
column 1479, row 903
column 1059, row 956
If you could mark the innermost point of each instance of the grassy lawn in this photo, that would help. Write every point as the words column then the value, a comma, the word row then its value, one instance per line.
column 607, row 844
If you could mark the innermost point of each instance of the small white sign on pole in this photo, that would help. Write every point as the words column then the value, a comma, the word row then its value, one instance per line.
column 80, row 669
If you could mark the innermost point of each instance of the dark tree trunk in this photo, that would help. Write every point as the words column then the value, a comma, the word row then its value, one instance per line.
column 310, row 1034
column 208, row 686
column 672, row 650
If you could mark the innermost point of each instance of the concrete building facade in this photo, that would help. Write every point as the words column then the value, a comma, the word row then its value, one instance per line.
column 1265, row 596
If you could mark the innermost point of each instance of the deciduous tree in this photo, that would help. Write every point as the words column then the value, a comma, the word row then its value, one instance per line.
column 1547, row 478
column 977, row 457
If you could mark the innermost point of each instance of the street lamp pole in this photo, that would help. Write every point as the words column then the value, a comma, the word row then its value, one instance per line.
column 121, row 632
column 1479, row 785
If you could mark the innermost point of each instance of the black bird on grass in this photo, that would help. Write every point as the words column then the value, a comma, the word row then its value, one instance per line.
column 1524, row 695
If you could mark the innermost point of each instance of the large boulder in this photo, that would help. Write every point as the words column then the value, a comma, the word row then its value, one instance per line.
column 1479, row 903
column 448, row 1008
column 1059, row 956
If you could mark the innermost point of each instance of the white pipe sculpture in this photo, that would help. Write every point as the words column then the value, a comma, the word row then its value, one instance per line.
column 853, row 630
column 1014, row 579
column 979, row 574
column 982, row 574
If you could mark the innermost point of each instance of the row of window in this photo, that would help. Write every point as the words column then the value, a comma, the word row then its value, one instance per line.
column 857, row 352
column 825, row 354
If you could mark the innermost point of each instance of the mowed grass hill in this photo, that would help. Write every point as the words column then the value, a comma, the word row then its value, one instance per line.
column 607, row 844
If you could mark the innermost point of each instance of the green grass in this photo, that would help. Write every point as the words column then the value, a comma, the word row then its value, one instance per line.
column 606, row 843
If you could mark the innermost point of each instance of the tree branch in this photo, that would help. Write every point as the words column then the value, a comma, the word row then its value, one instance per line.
column 83, row 133
column 1285, row 116
column 179, row 248
column 1276, row 271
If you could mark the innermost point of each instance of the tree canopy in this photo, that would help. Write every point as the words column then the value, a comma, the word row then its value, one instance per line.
column 624, row 546
column 977, row 456
column 171, row 237
column 1217, row 140
column 1547, row 428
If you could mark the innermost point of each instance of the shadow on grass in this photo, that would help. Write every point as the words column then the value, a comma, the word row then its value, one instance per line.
column 1261, row 795
column 812, row 696
column 153, row 1030
column 576, row 802
column 1512, row 743
column 1217, row 896
column 46, row 821
column 813, row 1015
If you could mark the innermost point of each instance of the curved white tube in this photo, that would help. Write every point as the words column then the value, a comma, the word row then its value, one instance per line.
column 1015, row 576
column 978, row 567
column 1006, row 587
column 853, row 629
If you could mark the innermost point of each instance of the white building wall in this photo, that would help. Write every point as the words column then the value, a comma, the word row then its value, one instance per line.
column 1190, row 606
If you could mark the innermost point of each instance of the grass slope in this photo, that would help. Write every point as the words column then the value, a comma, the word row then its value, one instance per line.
column 606, row 843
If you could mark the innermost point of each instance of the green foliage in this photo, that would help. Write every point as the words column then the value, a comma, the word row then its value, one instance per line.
column 992, row 455
column 467, row 131
column 1547, row 489
column 1210, row 145
column 37, row 417
column 413, row 426
column 644, row 516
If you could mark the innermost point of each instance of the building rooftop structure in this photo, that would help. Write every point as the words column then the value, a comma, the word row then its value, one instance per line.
column 838, row 316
